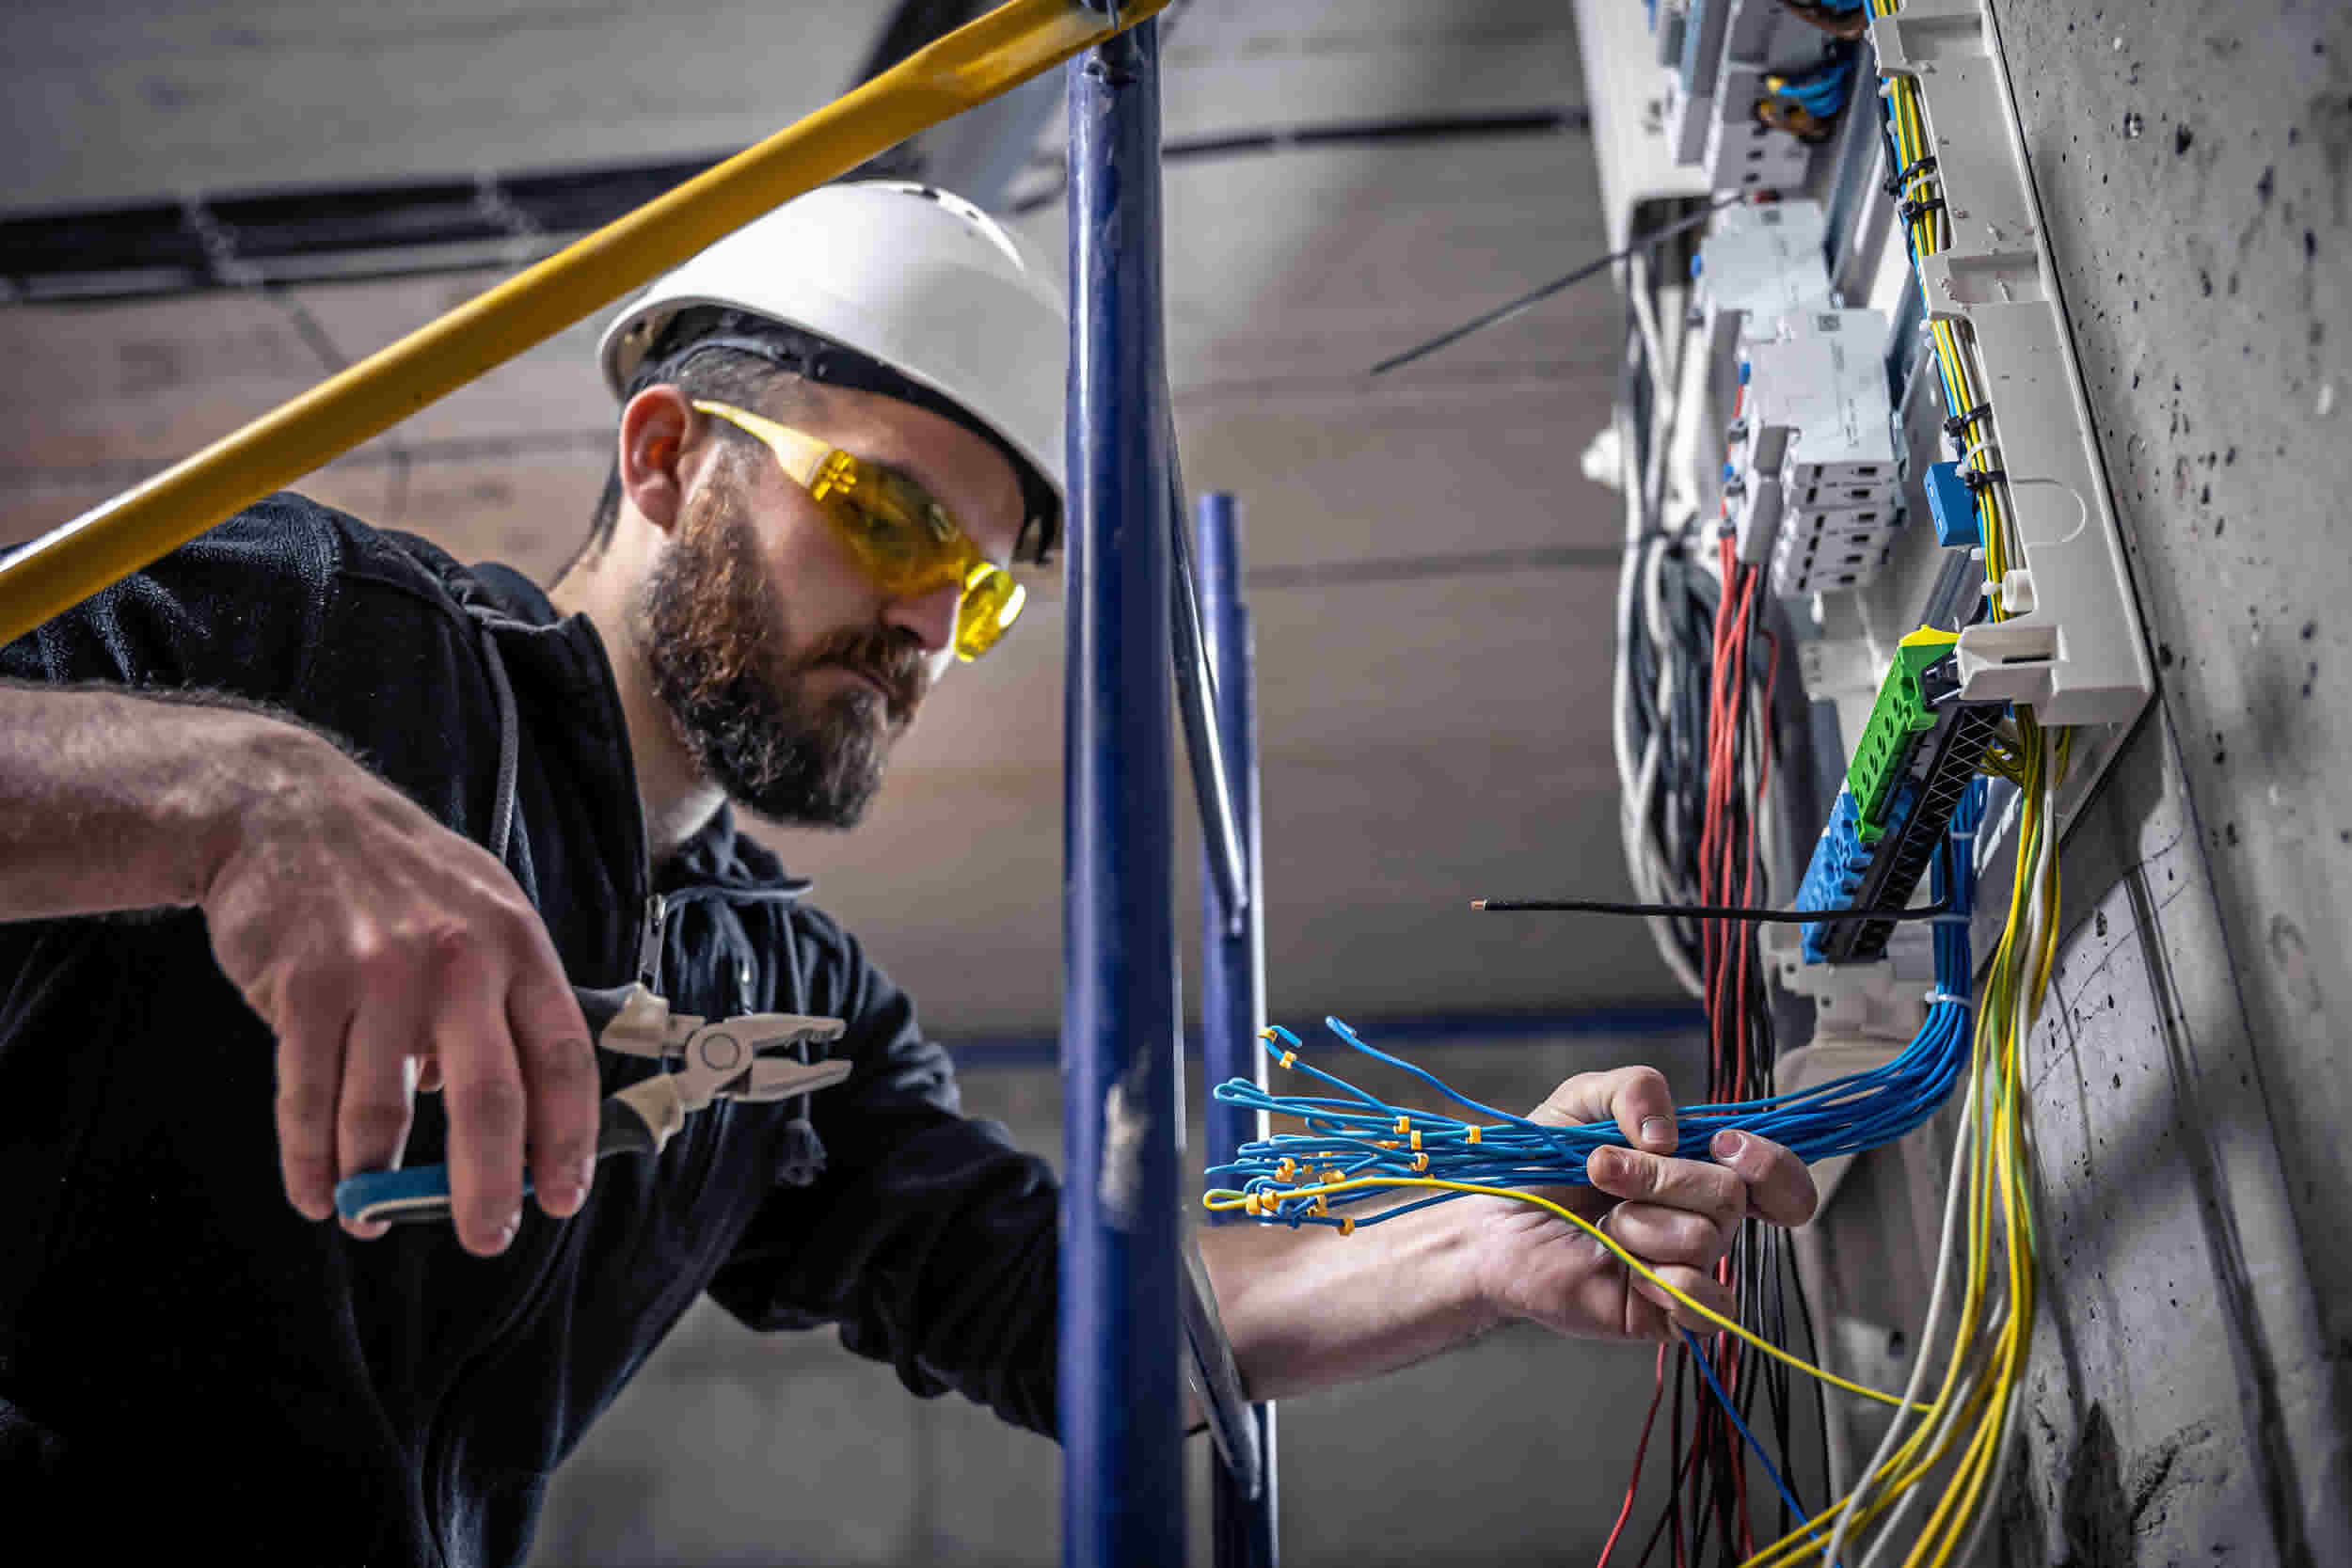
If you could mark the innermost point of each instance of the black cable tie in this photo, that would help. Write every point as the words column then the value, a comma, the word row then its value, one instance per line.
column 1959, row 422
column 1895, row 182
column 1981, row 478
column 1910, row 210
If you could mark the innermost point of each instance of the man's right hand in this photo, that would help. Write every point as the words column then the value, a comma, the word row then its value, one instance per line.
column 389, row 954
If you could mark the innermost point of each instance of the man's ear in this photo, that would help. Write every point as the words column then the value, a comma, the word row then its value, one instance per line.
column 652, row 453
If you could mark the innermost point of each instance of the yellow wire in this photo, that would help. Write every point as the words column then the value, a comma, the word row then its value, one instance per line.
column 1998, row 1198
column 1224, row 1201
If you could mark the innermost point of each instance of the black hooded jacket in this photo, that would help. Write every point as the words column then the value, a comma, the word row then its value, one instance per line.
column 183, row 1357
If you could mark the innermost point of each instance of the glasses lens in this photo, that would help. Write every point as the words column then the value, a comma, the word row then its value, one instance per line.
column 992, row 602
column 889, row 535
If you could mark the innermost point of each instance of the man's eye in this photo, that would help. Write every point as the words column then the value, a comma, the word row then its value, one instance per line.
column 885, row 527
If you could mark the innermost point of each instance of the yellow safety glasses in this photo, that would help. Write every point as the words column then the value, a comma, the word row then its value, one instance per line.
column 906, row 541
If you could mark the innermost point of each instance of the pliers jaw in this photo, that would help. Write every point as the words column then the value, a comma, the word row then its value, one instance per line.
column 728, row 1059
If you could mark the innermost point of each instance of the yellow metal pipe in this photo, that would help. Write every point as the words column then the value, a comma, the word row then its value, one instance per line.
column 968, row 67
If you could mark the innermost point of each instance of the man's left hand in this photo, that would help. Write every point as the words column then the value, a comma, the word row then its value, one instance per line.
column 1679, row 1216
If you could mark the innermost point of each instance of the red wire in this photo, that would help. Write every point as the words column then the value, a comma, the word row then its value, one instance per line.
column 1730, row 842
column 1716, row 848
column 1658, row 1391
column 1728, row 992
column 1728, row 852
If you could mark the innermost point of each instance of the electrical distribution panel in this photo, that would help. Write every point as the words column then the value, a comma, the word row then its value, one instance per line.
column 2071, row 643
column 1861, row 506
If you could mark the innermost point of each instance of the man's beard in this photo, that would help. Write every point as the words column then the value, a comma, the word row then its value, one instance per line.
column 716, row 640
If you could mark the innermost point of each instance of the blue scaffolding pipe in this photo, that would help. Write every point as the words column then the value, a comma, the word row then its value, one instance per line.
column 1121, row 1405
column 1196, row 697
column 1233, row 970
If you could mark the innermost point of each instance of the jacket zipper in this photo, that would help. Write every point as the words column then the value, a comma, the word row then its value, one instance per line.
column 649, row 943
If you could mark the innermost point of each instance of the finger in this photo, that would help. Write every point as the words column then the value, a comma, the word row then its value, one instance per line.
column 1635, row 1097
column 376, row 1104
column 558, row 1071
column 311, row 1023
column 483, row 1090
column 1700, row 1287
column 1780, row 1189
column 1657, row 1235
column 1712, row 1190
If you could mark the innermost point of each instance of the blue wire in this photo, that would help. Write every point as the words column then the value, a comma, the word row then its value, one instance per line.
column 1707, row 1372
column 1822, row 92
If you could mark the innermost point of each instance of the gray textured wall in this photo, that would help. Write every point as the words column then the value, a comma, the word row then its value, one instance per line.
column 2186, row 1402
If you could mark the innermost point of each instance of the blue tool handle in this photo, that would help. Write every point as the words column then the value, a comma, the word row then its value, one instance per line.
column 420, row 1193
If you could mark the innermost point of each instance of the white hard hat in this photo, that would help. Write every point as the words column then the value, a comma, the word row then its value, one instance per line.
column 917, row 281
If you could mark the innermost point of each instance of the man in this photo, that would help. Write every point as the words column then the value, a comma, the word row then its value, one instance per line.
column 377, row 809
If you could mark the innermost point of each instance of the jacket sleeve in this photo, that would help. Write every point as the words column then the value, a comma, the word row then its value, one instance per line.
column 234, row 611
column 314, row 616
column 929, row 1239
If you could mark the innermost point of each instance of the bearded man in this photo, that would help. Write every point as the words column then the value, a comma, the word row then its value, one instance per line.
column 308, row 833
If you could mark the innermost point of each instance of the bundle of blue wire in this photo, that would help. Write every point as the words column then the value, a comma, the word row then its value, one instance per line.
column 1363, row 1138
column 1822, row 91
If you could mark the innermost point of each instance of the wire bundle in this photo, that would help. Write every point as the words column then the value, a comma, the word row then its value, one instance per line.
column 1358, row 1147
column 1665, row 631
column 1692, row 687
column 1666, row 620
column 1710, row 1496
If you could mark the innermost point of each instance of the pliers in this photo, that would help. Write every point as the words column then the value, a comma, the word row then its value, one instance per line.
column 723, row 1059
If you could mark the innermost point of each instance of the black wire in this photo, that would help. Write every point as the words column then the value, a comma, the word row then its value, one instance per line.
column 1774, row 1379
column 1813, row 1353
column 1682, row 1471
column 1675, row 810
column 1503, row 312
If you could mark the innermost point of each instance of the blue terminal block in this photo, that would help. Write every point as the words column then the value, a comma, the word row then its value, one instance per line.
column 1953, row 506
column 1832, row 879
column 1834, row 873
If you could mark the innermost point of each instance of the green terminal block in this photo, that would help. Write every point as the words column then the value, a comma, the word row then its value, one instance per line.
column 1897, row 719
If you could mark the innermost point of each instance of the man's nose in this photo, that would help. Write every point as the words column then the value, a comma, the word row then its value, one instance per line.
column 932, row 617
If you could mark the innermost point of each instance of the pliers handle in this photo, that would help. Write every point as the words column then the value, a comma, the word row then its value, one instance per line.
column 720, row 1059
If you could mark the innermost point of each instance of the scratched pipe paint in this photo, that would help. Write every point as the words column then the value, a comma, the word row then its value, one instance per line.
column 1122, row 1493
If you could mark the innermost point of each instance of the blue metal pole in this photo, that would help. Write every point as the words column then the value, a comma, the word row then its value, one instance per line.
column 1233, row 971
column 1121, row 1401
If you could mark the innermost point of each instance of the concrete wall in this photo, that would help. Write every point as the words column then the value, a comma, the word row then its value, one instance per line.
column 2186, row 1402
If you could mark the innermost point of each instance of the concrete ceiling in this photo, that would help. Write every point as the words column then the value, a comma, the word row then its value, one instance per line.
column 1431, row 578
